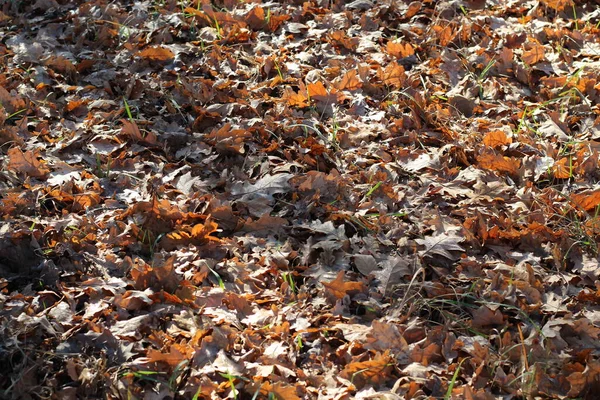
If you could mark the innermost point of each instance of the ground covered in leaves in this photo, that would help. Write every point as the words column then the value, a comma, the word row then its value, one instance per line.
column 299, row 200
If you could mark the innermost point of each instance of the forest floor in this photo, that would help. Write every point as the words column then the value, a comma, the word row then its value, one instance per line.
column 299, row 200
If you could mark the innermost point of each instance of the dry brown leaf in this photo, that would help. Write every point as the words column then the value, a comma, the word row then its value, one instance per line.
column 131, row 129
column 374, row 372
column 158, row 277
column 157, row 54
column 280, row 390
column 393, row 75
column 580, row 381
column 399, row 49
column 587, row 200
column 485, row 317
column 294, row 99
column 318, row 92
column 558, row 5
column 61, row 65
column 413, row 8
column 496, row 139
column 199, row 234
column 11, row 102
column 85, row 200
column 563, row 168
column 177, row 353
column 26, row 163
column 533, row 52
column 498, row 163
column 338, row 288
column 255, row 18
column 350, row 81
column 444, row 34
column 227, row 139
column 340, row 38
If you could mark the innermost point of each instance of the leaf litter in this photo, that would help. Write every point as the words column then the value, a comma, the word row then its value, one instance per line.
column 299, row 200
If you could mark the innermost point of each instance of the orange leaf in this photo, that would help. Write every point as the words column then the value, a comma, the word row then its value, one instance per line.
column 201, row 232
column 562, row 169
column 294, row 99
column 587, row 200
column 26, row 163
column 131, row 129
column 496, row 139
column 276, row 20
column 400, row 50
column 85, row 201
column 340, row 38
column 393, row 75
column 349, row 81
column 280, row 390
column 533, row 52
column 318, row 92
column 316, row 89
column 558, row 5
column 339, row 288
column 413, row 9
column 157, row 53
column 445, row 34
column 498, row 163
column 256, row 18
column 75, row 104
column 177, row 353
column 226, row 139
column 375, row 371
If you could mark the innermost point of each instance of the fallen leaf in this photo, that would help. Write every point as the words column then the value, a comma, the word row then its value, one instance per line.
column 442, row 244
column 586, row 200
column 498, row 163
column 338, row 288
column 26, row 163
column 157, row 54
column 496, row 139
column 393, row 75
column 374, row 372
column 533, row 52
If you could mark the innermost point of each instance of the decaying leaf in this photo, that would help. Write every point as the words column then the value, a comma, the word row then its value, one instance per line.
column 496, row 139
column 157, row 54
column 26, row 163
column 338, row 288
column 299, row 199
column 586, row 200
column 374, row 372
column 442, row 245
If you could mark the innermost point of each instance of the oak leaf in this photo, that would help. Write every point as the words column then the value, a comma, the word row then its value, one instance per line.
column 350, row 81
column 533, row 52
column 177, row 353
column 484, row 317
column 226, row 139
column 498, row 163
column 399, row 49
column 442, row 244
column 496, row 139
column 558, row 5
column 393, row 75
column 157, row 54
column 375, row 372
column 319, row 93
column 26, row 163
column 279, row 389
column 563, row 168
column 338, row 288
column 587, row 200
